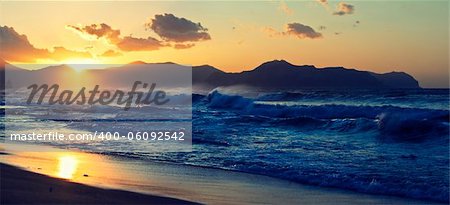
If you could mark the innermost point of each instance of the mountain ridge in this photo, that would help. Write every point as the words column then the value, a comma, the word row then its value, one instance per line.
column 275, row 74
column 280, row 74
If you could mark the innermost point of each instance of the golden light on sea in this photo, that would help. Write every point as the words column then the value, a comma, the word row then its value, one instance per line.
column 67, row 166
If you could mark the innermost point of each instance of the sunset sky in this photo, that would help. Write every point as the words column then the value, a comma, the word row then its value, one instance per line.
column 380, row 36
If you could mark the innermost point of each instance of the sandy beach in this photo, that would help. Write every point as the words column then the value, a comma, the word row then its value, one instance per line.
column 23, row 187
column 63, row 176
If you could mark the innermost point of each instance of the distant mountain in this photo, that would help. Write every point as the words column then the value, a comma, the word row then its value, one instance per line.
column 5, row 77
column 396, row 79
column 280, row 74
column 272, row 75
column 15, row 77
column 163, row 74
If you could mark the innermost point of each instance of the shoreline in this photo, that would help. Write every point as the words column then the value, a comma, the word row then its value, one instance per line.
column 185, row 182
column 24, row 187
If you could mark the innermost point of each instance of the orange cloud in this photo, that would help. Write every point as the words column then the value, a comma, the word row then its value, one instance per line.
column 167, row 26
column 17, row 48
column 127, row 43
column 99, row 31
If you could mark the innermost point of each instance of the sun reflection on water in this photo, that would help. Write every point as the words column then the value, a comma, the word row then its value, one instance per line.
column 67, row 166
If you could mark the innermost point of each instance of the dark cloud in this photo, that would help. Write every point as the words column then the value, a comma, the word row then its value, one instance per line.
column 175, row 29
column 127, row 43
column 295, row 29
column 111, row 53
column 17, row 48
column 343, row 9
column 301, row 31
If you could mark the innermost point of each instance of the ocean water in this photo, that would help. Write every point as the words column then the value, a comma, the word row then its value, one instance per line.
column 378, row 142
